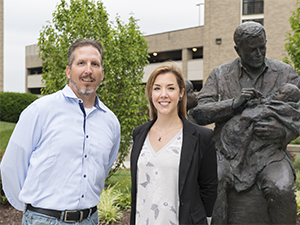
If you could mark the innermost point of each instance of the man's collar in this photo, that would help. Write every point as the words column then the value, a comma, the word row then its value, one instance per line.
column 68, row 92
column 241, row 66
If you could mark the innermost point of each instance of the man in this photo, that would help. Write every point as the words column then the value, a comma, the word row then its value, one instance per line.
column 63, row 147
column 225, row 94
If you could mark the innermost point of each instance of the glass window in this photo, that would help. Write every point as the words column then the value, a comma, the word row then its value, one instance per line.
column 253, row 7
column 261, row 21
column 36, row 91
column 156, row 57
column 197, row 52
column 34, row 71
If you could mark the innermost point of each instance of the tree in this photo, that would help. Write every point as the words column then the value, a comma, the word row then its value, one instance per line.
column 125, row 55
column 293, row 37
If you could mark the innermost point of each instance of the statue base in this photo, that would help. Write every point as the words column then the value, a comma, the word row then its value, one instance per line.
column 247, row 207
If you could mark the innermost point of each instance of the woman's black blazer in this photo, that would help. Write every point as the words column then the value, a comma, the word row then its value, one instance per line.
column 197, row 172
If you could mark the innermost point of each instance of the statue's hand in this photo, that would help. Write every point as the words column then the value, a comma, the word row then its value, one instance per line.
column 269, row 129
column 245, row 95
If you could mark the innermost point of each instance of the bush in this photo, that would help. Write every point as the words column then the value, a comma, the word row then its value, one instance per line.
column 115, row 198
column 298, row 201
column 296, row 163
column 296, row 141
column 108, row 209
column 12, row 104
column 124, row 199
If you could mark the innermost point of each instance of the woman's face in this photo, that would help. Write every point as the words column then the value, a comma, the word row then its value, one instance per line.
column 166, row 94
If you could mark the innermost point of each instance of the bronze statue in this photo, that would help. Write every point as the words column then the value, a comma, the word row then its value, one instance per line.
column 191, row 99
column 253, row 126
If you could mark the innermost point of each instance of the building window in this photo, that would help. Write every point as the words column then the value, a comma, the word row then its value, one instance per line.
column 197, row 85
column 35, row 71
column 156, row 57
column 36, row 91
column 261, row 21
column 197, row 52
column 253, row 7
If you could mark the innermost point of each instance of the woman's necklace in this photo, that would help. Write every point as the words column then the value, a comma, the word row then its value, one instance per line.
column 160, row 136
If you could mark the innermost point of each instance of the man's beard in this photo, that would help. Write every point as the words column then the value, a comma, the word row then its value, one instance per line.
column 83, row 91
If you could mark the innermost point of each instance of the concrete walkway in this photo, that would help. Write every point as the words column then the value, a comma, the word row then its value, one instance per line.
column 294, row 149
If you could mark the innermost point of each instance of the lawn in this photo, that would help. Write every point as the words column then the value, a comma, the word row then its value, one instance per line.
column 6, row 130
column 121, row 179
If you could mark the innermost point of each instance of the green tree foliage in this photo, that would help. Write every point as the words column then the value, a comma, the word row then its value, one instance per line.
column 293, row 40
column 125, row 55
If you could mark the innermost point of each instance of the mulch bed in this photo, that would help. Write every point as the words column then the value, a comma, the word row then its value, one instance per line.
column 10, row 216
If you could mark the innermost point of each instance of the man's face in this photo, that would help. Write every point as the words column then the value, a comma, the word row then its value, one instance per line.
column 252, row 51
column 86, row 73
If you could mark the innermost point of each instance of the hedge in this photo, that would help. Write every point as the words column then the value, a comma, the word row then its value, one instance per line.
column 12, row 104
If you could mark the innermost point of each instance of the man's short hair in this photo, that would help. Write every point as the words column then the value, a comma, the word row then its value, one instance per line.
column 248, row 29
column 81, row 43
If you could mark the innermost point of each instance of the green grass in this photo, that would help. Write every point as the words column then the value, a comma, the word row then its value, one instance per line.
column 121, row 179
column 6, row 130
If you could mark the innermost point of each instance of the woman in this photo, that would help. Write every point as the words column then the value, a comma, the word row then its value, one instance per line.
column 173, row 161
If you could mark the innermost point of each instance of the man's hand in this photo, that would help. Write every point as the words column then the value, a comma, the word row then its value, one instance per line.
column 269, row 129
column 245, row 95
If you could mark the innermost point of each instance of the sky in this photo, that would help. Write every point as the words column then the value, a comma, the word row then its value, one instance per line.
column 23, row 20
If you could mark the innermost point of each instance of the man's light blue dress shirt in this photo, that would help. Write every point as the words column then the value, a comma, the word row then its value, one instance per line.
column 58, row 157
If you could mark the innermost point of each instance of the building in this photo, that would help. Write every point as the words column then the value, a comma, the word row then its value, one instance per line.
column 33, row 63
column 200, row 49
column 1, row 45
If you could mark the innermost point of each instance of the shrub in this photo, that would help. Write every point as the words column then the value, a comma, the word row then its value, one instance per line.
column 114, row 199
column 124, row 199
column 12, row 104
column 298, row 201
column 296, row 141
column 108, row 210
column 297, row 181
column 296, row 163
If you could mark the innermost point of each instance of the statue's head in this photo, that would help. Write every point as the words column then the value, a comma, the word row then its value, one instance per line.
column 287, row 93
column 189, row 85
column 250, row 40
column 191, row 96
